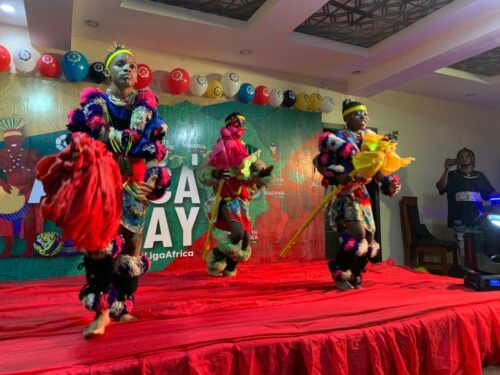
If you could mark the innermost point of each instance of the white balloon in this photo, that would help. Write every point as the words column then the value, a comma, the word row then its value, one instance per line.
column 25, row 59
column 231, row 83
column 199, row 85
column 327, row 104
column 276, row 97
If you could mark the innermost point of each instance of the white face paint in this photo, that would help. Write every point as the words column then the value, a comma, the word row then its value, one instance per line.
column 361, row 115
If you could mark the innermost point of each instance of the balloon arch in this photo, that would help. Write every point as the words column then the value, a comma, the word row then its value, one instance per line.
column 75, row 67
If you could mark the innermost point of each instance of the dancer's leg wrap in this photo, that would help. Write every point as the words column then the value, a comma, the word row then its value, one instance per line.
column 98, row 294
column 230, row 268
column 128, row 269
column 373, row 249
column 334, row 269
column 216, row 262
column 233, row 251
column 349, row 245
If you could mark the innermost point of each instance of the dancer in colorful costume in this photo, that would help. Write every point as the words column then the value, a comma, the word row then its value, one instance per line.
column 351, row 213
column 238, row 175
column 97, row 188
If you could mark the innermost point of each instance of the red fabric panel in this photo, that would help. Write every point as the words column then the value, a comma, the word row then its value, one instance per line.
column 284, row 318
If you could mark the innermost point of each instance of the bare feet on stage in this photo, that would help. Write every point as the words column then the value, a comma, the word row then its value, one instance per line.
column 127, row 318
column 98, row 325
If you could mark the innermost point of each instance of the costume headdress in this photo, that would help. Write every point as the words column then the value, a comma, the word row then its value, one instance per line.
column 235, row 117
column 115, row 51
column 11, row 126
column 350, row 106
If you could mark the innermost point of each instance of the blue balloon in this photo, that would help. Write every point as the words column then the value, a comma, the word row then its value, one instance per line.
column 75, row 66
column 246, row 93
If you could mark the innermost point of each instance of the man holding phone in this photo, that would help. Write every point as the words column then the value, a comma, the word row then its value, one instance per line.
column 466, row 188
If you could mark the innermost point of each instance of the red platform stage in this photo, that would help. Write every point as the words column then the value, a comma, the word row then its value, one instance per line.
column 283, row 318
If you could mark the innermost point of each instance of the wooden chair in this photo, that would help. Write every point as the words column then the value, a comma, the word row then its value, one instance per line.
column 420, row 244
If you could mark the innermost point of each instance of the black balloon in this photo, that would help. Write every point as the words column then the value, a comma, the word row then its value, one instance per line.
column 289, row 98
column 96, row 72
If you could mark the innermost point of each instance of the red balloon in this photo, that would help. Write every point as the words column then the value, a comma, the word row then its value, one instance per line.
column 262, row 94
column 178, row 81
column 4, row 58
column 49, row 66
column 144, row 76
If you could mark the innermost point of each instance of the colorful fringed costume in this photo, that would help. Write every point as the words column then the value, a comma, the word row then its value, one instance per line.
column 337, row 149
column 92, row 190
column 242, row 175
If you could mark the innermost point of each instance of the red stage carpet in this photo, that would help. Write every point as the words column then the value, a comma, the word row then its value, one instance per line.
column 271, row 319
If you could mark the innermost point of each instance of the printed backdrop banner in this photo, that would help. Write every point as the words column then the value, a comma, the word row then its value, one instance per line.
column 176, row 225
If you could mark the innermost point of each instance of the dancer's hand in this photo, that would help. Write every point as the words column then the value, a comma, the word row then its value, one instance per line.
column 394, row 188
column 145, row 188
column 344, row 178
column 218, row 174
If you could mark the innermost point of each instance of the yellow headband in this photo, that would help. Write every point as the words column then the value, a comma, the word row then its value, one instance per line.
column 232, row 118
column 116, row 53
column 360, row 107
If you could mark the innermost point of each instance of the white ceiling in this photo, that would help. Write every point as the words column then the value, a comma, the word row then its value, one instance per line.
column 406, row 61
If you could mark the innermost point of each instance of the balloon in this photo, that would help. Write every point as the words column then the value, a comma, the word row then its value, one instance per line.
column 178, row 81
column 214, row 89
column 276, row 97
column 47, row 244
column 144, row 76
column 327, row 104
column 75, row 66
column 261, row 95
column 302, row 102
column 49, row 66
column 289, row 98
column 25, row 59
column 199, row 85
column 246, row 93
column 4, row 58
column 96, row 72
column 315, row 100
column 230, row 83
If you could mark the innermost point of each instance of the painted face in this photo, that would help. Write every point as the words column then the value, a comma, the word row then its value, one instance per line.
column 241, row 123
column 238, row 123
column 357, row 120
column 123, row 70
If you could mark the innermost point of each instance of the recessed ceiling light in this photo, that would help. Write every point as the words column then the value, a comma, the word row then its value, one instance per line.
column 7, row 8
column 91, row 23
column 245, row 52
column 470, row 94
column 356, row 72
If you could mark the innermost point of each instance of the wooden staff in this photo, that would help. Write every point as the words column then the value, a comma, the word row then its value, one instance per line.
column 311, row 217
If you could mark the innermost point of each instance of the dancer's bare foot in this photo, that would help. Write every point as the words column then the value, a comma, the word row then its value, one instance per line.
column 98, row 325
column 127, row 318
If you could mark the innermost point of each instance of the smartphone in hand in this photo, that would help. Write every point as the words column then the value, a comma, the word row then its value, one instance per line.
column 451, row 162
